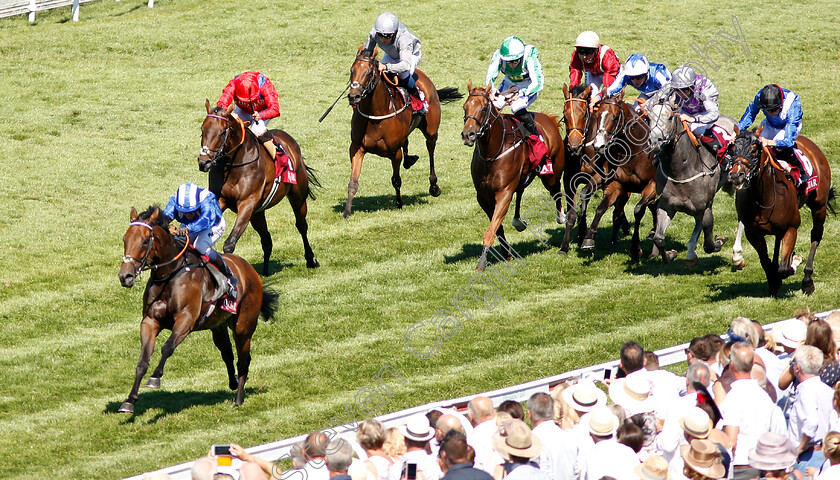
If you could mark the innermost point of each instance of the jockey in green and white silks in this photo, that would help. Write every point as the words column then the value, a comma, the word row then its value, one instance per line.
column 520, row 65
column 400, row 48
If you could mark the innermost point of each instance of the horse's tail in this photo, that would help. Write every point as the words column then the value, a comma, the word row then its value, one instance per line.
column 832, row 200
column 313, row 180
column 449, row 94
column 270, row 303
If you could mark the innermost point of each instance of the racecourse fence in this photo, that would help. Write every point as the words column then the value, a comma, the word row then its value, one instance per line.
column 280, row 449
column 11, row 8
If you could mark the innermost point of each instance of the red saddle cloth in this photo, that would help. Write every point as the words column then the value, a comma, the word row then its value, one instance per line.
column 722, row 137
column 812, row 184
column 537, row 152
column 283, row 167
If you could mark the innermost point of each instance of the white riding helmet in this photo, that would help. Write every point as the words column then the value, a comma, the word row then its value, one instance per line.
column 512, row 49
column 386, row 23
column 588, row 39
column 636, row 65
column 683, row 77
column 189, row 197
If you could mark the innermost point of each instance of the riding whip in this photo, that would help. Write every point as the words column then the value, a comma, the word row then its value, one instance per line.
column 331, row 106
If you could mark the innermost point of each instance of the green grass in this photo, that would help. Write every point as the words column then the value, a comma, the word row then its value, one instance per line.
column 104, row 114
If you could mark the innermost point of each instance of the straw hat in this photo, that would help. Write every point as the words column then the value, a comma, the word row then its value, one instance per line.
column 703, row 457
column 633, row 393
column 515, row 438
column 772, row 452
column 584, row 396
column 602, row 422
column 697, row 423
column 417, row 428
column 654, row 468
column 791, row 333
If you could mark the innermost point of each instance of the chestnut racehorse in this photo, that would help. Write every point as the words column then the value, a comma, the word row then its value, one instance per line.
column 242, row 178
column 500, row 162
column 766, row 201
column 177, row 298
column 382, row 121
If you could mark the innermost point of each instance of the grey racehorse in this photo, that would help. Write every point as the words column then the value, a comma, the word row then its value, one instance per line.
column 687, row 179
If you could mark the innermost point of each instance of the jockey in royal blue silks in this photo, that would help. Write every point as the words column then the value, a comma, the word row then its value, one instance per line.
column 782, row 122
column 646, row 77
column 198, row 211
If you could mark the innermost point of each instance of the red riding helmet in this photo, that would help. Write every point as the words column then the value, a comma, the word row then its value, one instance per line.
column 247, row 90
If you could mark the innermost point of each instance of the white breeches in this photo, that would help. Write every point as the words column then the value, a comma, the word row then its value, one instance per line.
column 413, row 62
column 204, row 240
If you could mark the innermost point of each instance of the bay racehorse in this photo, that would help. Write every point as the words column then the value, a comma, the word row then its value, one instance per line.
column 242, row 176
column 688, row 177
column 383, row 119
column 179, row 297
column 767, row 204
column 500, row 163
column 621, row 141
column 582, row 169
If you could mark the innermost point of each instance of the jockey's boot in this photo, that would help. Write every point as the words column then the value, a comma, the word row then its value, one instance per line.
column 415, row 92
column 711, row 142
column 267, row 139
column 219, row 262
column 544, row 167
column 789, row 156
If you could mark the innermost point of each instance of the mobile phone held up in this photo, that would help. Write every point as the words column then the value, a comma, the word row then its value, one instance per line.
column 409, row 471
column 222, row 454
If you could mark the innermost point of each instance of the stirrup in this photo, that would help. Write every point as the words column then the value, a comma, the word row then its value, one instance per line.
column 231, row 284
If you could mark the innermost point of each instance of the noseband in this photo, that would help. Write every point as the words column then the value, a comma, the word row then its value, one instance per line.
column 483, row 125
column 751, row 164
column 372, row 78
column 587, row 117
column 219, row 153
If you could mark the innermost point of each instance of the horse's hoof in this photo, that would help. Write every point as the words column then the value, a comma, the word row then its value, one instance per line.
column 588, row 243
column 346, row 214
column 434, row 190
column 562, row 252
column 808, row 287
column 233, row 384
column 670, row 255
column 519, row 225
column 720, row 241
column 561, row 218
column 154, row 382
column 739, row 263
column 651, row 234
column 126, row 407
column 692, row 263
column 636, row 254
column 312, row 263
column 795, row 261
column 410, row 160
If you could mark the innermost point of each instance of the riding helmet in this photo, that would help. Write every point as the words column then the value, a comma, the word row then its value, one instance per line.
column 770, row 97
column 189, row 197
column 512, row 49
column 247, row 90
column 683, row 77
column 588, row 39
column 386, row 24
column 636, row 65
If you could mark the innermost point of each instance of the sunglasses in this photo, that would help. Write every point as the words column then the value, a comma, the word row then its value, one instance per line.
column 586, row 51
column 387, row 35
column 773, row 111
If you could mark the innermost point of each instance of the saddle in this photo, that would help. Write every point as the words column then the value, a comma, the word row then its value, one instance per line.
column 218, row 296
column 537, row 149
column 805, row 168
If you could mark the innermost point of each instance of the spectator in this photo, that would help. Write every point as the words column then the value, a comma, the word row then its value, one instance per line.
column 665, row 386
column 481, row 414
column 203, row 469
column 632, row 358
column 584, row 396
column 558, row 456
column 702, row 461
column 699, row 349
column 819, row 335
column 633, row 393
column 619, row 412
column 831, row 450
column 669, row 439
column 512, row 407
column 715, row 361
column 269, row 467
column 433, row 416
column 788, row 336
column 772, row 456
column 455, row 460
column 810, row 412
column 339, row 457
column 773, row 365
column 654, row 468
column 696, row 425
column 607, row 457
column 445, row 423
column 252, row 471
column 834, row 422
column 315, row 454
column 747, row 411
column 833, row 319
column 417, row 433
column 515, row 443
column 371, row 436
column 564, row 415
column 394, row 445
column 631, row 435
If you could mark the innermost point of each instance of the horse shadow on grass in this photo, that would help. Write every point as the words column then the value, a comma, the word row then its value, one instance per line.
column 760, row 289
column 532, row 245
column 276, row 266
column 173, row 402
column 376, row 203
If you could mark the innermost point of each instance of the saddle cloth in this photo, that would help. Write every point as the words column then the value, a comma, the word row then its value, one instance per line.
column 813, row 180
column 417, row 105
column 219, row 295
column 537, row 149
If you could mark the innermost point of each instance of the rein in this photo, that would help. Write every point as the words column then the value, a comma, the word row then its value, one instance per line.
column 618, row 124
column 154, row 267
column 587, row 118
column 219, row 153
column 370, row 86
column 686, row 131
column 487, row 123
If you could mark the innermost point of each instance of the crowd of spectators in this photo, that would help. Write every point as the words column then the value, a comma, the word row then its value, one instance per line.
column 758, row 405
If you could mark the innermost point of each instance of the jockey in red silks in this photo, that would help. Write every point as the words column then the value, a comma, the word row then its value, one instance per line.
column 597, row 65
column 257, row 101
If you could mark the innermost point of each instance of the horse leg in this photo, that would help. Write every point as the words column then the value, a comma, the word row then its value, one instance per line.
column 611, row 195
column 691, row 259
column 243, row 359
column 517, row 222
column 712, row 243
column 737, row 258
column 408, row 160
column 648, row 195
column 586, row 194
column 222, row 342
column 500, row 210
column 663, row 219
column 260, row 226
column 818, row 216
column 788, row 242
column 357, row 154
column 396, row 180
column 619, row 218
column 297, row 199
column 571, row 211
column 179, row 333
column 431, row 141
column 758, row 242
column 149, row 330
column 243, row 217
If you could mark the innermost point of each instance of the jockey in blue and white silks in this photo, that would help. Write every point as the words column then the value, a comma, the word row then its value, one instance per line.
column 646, row 77
column 198, row 212
column 782, row 120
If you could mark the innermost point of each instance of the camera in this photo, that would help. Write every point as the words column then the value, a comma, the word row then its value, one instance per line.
column 409, row 471
column 221, row 450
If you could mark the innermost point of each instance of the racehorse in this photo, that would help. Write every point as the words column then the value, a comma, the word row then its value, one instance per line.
column 581, row 165
column 178, row 297
column 242, row 176
column 767, row 204
column 500, row 163
column 383, row 119
column 687, row 178
column 622, row 140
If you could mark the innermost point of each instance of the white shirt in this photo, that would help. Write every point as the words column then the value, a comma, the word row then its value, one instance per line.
column 665, row 388
column 834, row 422
column 610, row 458
column 774, row 366
column 811, row 411
column 672, row 435
column 486, row 457
column 316, row 470
column 382, row 466
column 558, row 457
column 425, row 463
column 828, row 473
column 748, row 407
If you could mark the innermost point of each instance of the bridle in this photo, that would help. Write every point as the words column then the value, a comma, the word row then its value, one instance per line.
column 752, row 165
column 618, row 123
column 372, row 79
column 219, row 153
column 484, row 127
column 587, row 117
column 143, row 265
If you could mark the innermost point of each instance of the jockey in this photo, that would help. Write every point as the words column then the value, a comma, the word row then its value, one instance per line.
column 597, row 65
column 402, row 53
column 644, row 76
column 257, row 102
column 198, row 211
column 782, row 122
column 520, row 64
column 697, row 97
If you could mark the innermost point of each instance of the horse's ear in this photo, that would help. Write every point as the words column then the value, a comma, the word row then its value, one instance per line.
column 469, row 85
column 207, row 105
column 359, row 52
column 154, row 216
column 230, row 108
column 621, row 94
column 566, row 91
column 133, row 216
column 375, row 51
column 587, row 91
column 488, row 87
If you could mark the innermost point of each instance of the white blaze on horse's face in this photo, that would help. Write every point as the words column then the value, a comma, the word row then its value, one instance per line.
column 601, row 135
column 205, row 150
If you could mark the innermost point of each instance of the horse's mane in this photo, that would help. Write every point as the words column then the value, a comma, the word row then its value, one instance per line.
column 161, row 221
column 575, row 91
column 218, row 110
column 554, row 120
